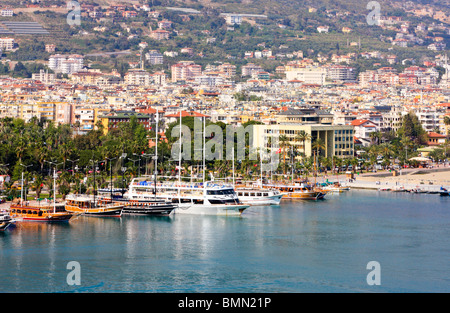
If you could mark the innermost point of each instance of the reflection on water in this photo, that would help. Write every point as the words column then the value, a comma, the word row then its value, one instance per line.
column 297, row 246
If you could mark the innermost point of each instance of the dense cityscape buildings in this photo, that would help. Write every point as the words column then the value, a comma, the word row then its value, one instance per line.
column 329, row 96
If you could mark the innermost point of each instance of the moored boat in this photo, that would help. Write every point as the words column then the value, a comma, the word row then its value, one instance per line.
column 335, row 188
column 86, row 205
column 209, row 198
column 300, row 191
column 138, row 203
column 259, row 196
column 5, row 220
column 34, row 211
column 444, row 192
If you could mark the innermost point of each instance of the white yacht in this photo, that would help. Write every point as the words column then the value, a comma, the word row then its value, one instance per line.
column 259, row 196
column 209, row 198
column 5, row 220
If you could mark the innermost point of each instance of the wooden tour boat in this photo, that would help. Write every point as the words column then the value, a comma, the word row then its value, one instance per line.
column 34, row 211
column 84, row 204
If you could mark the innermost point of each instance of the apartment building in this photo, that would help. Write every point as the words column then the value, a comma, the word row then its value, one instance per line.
column 50, row 48
column 160, row 34
column 159, row 78
column 138, row 77
column 7, row 43
column 209, row 80
column 6, row 13
column 154, row 57
column 113, row 119
column 185, row 70
column 85, row 117
column 430, row 119
column 250, row 69
column 233, row 19
column 307, row 75
column 58, row 112
column 66, row 64
column 340, row 73
column 228, row 70
column 44, row 77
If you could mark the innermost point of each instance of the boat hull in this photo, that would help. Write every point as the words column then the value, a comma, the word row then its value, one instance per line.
column 305, row 195
column 4, row 223
column 36, row 214
column 211, row 209
column 112, row 212
column 255, row 201
column 146, row 207
column 149, row 210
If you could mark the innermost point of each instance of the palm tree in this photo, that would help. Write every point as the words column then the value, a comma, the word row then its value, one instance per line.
column 354, row 162
column 337, row 163
column 375, row 137
column 387, row 150
column 284, row 143
column 303, row 136
column 37, row 185
column 319, row 145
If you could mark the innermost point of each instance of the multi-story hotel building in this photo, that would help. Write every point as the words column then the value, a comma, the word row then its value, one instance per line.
column 338, row 139
column 58, row 112
column 307, row 75
column 138, row 77
column 185, row 70
column 66, row 64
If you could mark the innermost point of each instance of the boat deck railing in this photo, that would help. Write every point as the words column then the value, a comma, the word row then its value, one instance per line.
column 188, row 185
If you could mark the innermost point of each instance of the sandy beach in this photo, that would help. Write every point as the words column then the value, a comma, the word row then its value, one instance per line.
column 429, row 179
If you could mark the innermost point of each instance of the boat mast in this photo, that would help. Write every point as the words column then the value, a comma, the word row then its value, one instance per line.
column 260, row 165
column 54, row 190
column 156, row 149
column 204, row 148
column 315, row 172
column 21, row 191
column 179, row 166
column 95, row 167
column 292, row 165
column 232, row 149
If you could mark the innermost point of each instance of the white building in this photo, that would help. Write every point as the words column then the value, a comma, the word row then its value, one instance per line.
column 7, row 43
column 340, row 72
column 160, row 78
column 6, row 12
column 154, row 57
column 250, row 69
column 233, row 19
column 308, row 75
column 44, row 77
column 66, row 64
column 363, row 129
column 138, row 77
column 209, row 80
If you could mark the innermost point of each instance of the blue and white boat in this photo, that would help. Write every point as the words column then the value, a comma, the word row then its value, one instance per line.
column 209, row 198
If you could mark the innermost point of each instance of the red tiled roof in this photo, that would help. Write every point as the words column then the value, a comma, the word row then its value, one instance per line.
column 187, row 114
column 358, row 122
column 435, row 135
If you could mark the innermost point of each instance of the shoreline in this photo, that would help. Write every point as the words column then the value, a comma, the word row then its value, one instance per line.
column 429, row 180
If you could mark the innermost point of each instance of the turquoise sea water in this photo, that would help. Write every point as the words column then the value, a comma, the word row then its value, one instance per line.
column 298, row 246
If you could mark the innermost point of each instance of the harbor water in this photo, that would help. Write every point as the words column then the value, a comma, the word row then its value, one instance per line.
column 298, row 246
